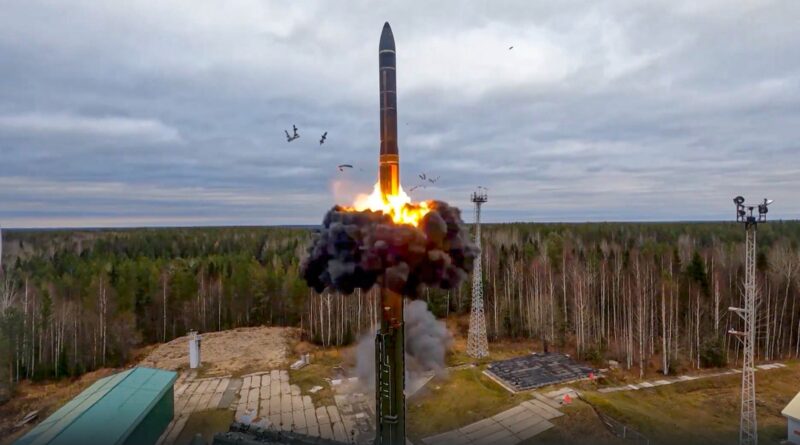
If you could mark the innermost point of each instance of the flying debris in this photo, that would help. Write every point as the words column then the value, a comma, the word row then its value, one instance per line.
column 422, row 176
column 510, row 48
column 295, row 135
column 341, row 167
column 322, row 139
column 433, row 180
column 416, row 187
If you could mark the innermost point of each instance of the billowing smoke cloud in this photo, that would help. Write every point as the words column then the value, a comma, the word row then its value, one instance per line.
column 359, row 249
column 426, row 342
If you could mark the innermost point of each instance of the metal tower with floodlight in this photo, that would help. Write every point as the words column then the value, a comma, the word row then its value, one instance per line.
column 748, row 426
column 477, row 344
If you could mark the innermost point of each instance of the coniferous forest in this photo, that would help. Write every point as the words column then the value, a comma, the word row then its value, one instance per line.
column 653, row 296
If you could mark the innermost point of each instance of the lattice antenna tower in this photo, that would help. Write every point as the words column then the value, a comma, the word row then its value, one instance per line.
column 748, row 426
column 477, row 343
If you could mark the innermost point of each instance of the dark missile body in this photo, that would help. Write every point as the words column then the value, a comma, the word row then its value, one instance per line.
column 389, row 169
column 389, row 342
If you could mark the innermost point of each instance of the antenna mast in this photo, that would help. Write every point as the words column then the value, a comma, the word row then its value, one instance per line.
column 477, row 344
column 748, row 425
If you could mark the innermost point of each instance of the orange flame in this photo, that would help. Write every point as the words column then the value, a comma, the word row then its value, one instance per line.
column 399, row 207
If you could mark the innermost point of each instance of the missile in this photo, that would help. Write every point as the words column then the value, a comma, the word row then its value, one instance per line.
column 389, row 168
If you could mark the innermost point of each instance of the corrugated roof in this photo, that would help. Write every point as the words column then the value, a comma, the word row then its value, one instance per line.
column 793, row 408
column 106, row 412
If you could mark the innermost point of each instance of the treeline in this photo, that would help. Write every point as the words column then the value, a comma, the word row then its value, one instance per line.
column 651, row 296
column 648, row 295
column 74, row 301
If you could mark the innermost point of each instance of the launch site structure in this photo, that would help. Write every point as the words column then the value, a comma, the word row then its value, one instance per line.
column 390, row 405
column 748, row 425
column 477, row 343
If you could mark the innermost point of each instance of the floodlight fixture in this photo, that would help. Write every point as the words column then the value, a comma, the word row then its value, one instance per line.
column 746, row 214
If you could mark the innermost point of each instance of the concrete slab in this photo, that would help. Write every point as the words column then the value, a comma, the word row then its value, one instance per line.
column 325, row 431
column 477, row 426
column 215, row 401
column 339, row 433
column 501, row 435
column 454, row 437
column 253, row 395
column 255, row 382
column 333, row 414
column 313, row 430
column 246, row 382
column 520, row 416
column 181, row 389
column 287, row 419
column 308, row 403
column 203, row 386
column 661, row 382
column 508, row 413
column 560, row 392
column 547, row 400
column 223, row 384
column 286, row 403
column 252, row 403
column 311, row 418
column 275, row 420
column 180, row 423
column 525, row 423
column 263, row 408
column 204, row 401
column 294, row 389
column 542, row 410
column 297, row 403
column 646, row 385
column 275, row 405
column 299, row 419
column 274, row 388
column 534, row 430
column 191, row 405
column 486, row 430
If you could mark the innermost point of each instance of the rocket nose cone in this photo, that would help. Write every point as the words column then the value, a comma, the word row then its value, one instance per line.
column 387, row 38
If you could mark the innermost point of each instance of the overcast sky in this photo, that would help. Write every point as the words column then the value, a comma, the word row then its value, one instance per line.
column 172, row 113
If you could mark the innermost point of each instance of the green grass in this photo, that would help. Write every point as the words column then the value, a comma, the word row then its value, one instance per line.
column 704, row 411
column 460, row 398
column 314, row 374
column 578, row 423
column 205, row 423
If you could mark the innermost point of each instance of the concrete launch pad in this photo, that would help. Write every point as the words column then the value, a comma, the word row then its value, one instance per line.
column 536, row 370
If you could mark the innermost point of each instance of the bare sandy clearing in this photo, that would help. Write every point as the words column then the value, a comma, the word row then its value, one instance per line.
column 236, row 351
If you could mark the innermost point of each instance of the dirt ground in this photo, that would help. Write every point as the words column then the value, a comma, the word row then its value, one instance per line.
column 234, row 352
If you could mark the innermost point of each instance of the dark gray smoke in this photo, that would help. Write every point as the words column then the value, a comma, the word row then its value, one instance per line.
column 426, row 342
column 359, row 249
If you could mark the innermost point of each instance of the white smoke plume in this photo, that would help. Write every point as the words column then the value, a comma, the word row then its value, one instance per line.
column 426, row 343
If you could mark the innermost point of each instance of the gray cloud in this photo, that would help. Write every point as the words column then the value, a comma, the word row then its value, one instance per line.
column 147, row 113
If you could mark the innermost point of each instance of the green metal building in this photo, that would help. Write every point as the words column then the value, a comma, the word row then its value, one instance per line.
column 132, row 407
